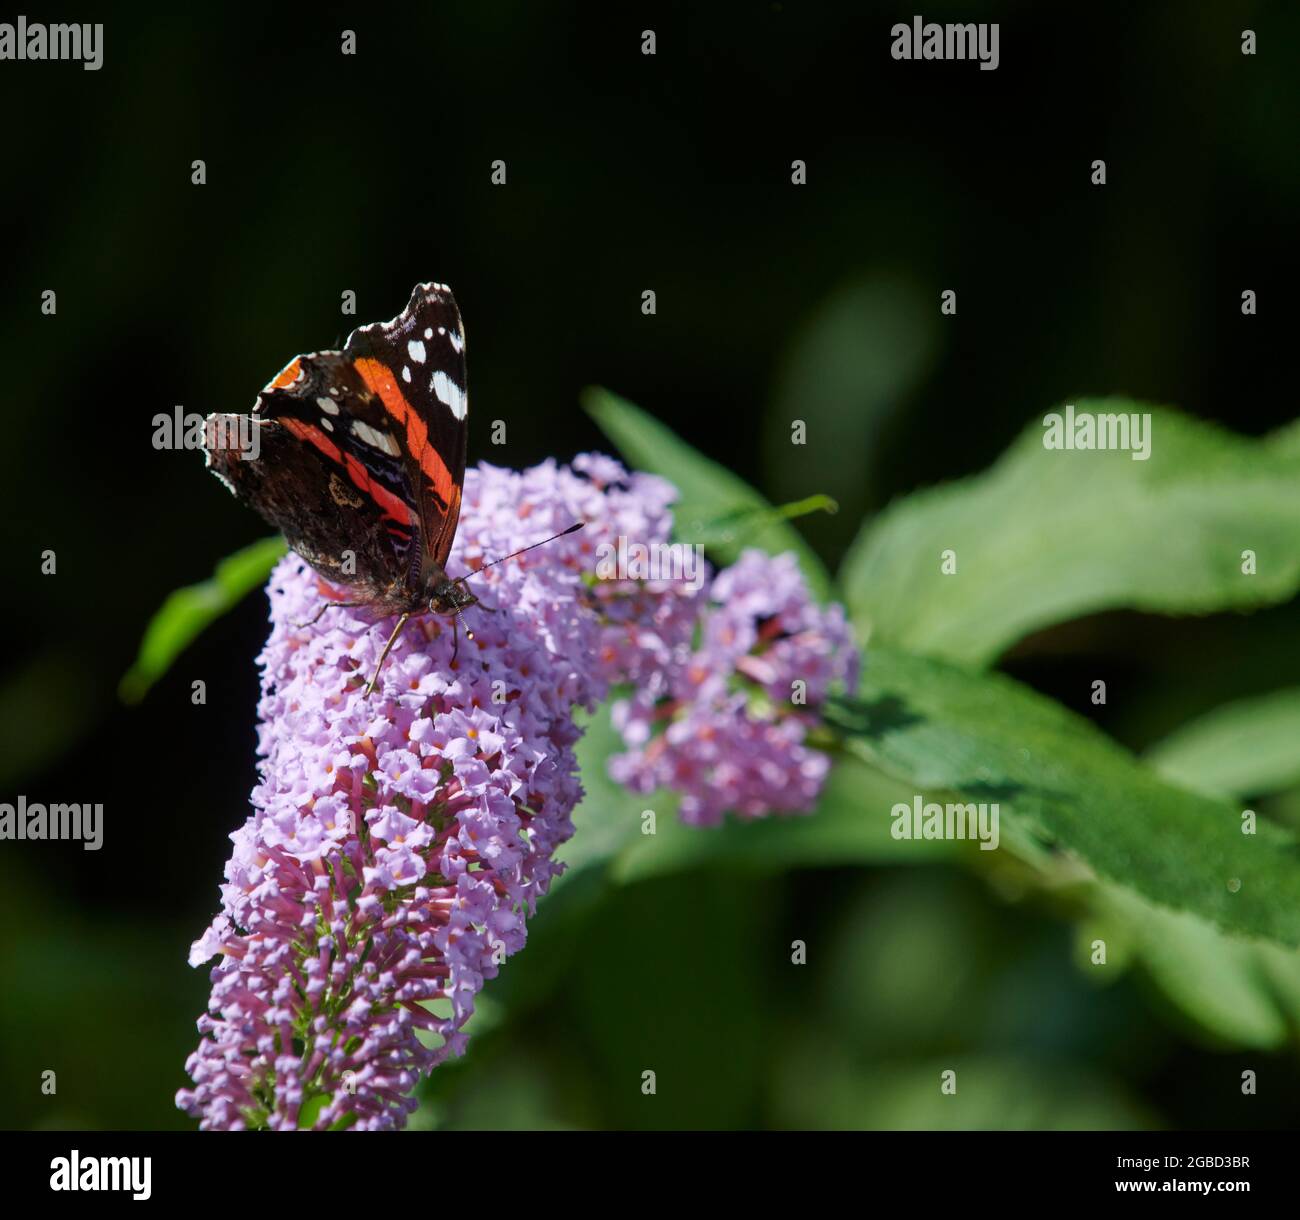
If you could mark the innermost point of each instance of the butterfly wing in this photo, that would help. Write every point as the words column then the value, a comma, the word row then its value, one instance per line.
column 307, row 495
column 415, row 366
column 362, row 452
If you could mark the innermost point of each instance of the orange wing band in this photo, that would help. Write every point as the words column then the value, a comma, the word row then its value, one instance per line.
column 379, row 379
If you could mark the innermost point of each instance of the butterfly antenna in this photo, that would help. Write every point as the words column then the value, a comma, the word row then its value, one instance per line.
column 573, row 529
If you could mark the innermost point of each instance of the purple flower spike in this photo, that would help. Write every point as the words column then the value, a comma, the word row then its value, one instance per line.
column 399, row 842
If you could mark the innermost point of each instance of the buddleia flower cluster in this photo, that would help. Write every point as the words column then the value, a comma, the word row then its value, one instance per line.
column 727, row 726
column 398, row 843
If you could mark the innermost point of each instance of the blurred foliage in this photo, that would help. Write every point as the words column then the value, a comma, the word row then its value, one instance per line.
column 708, row 490
column 1061, row 781
column 849, row 371
column 1239, row 992
column 38, row 722
column 186, row 612
column 1245, row 748
column 1049, row 535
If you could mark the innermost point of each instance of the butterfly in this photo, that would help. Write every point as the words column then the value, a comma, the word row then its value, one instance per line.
column 359, row 459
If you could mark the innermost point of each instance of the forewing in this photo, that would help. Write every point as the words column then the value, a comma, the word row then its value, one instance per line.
column 415, row 366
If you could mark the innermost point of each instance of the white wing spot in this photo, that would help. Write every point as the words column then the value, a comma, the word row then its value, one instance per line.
column 375, row 439
column 416, row 349
column 327, row 424
column 449, row 393
column 406, row 374
column 428, row 332
column 457, row 341
column 328, row 405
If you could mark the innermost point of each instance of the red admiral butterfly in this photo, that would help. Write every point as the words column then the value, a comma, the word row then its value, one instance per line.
column 362, row 460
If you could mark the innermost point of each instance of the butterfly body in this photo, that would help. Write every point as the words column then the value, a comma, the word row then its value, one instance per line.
column 449, row 597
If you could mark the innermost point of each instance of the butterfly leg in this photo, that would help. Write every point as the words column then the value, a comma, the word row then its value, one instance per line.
column 329, row 605
column 383, row 656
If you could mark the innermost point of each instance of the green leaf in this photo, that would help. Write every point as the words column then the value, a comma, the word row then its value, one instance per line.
column 1240, row 992
column 187, row 612
column 1049, row 535
column 851, row 825
column 709, row 492
column 1247, row 748
column 1058, row 780
column 608, row 818
column 850, row 367
column 819, row 1087
column 736, row 528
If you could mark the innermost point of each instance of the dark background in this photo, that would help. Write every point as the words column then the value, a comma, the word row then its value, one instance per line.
column 625, row 172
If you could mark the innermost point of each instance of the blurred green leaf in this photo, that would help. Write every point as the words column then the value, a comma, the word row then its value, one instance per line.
column 674, row 976
column 709, row 492
column 820, row 1088
column 187, row 612
column 908, row 962
column 66, row 963
column 1058, row 779
column 38, row 722
column 736, row 528
column 507, row 1090
column 1241, row 992
column 1244, row 993
column 1247, row 748
column 850, row 366
column 608, row 818
column 1049, row 535
column 850, row 825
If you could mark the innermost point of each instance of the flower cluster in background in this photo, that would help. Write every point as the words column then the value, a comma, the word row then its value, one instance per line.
column 399, row 842
column 726, row 725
